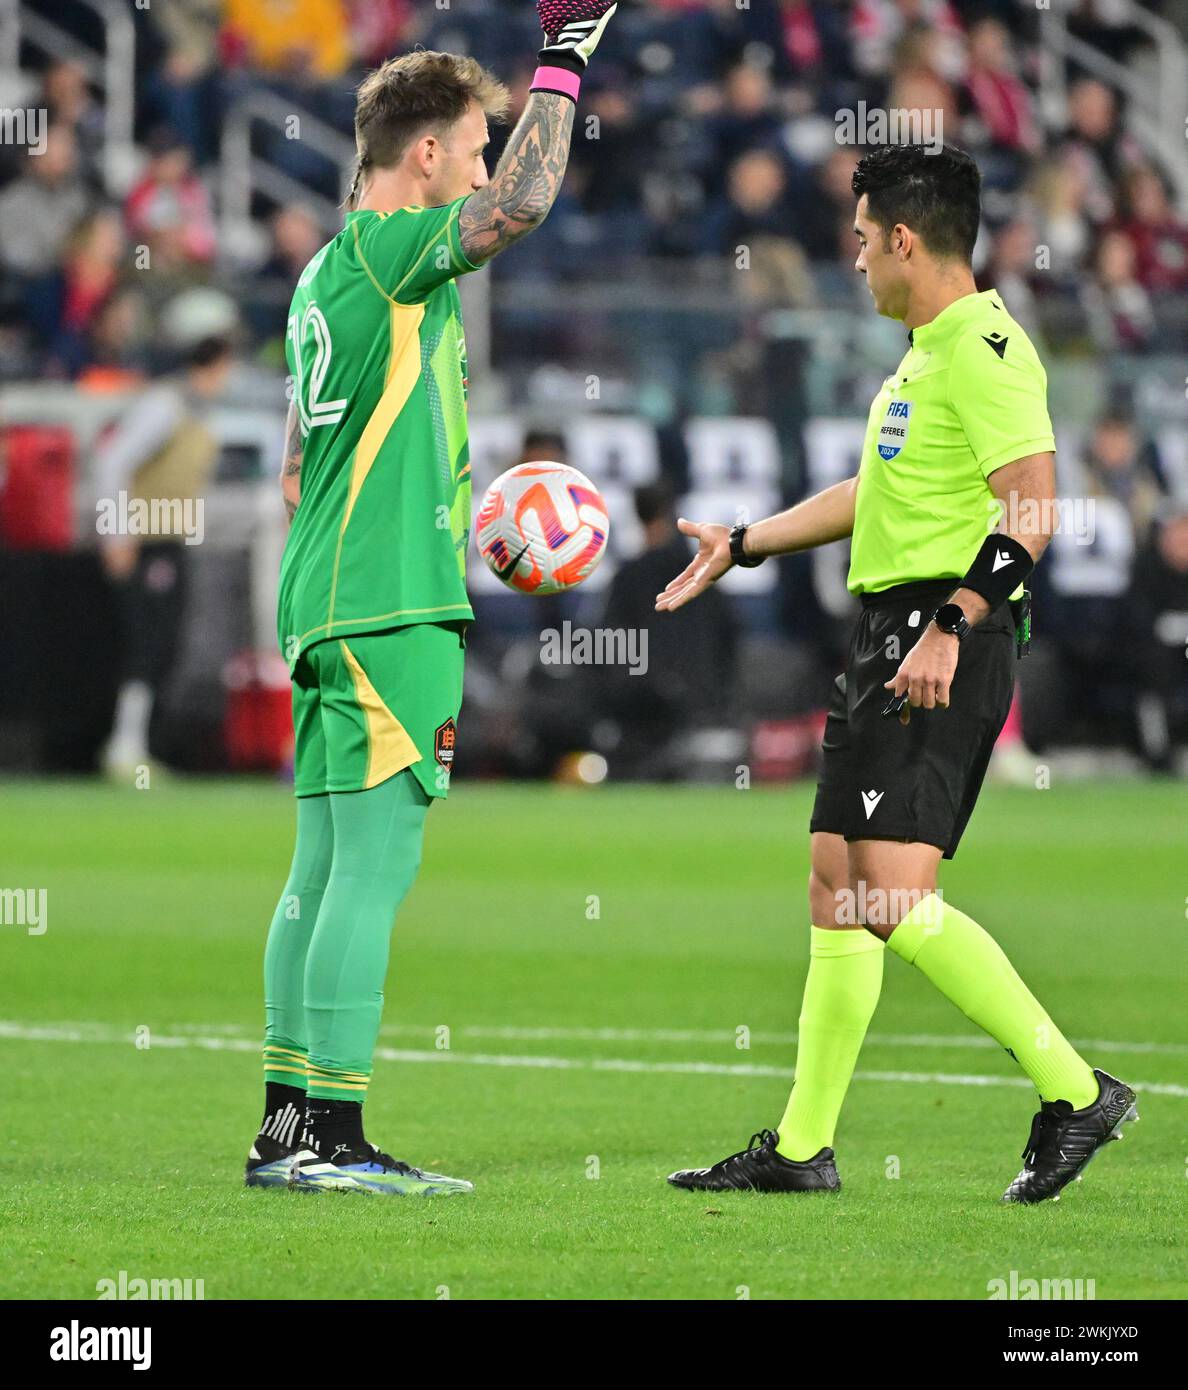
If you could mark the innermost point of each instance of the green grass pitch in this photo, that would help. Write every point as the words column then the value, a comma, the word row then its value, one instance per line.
column 593, row 954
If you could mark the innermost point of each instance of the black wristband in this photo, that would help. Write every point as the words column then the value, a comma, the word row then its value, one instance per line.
column 1001, row 566
column 740, row 557
column 561, row 58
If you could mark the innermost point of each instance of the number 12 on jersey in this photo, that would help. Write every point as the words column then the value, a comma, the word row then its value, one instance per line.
column 307, row 386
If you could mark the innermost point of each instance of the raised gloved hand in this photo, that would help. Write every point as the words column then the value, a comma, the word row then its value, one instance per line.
column 572, row 29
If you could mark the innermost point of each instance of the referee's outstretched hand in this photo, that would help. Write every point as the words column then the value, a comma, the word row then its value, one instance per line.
column 926, row 673
column 711, row 562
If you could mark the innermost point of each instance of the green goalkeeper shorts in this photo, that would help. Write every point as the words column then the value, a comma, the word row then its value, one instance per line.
column 366, row 707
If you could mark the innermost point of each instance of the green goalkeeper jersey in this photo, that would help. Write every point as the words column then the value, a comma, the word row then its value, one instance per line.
column 969, row 397
column 377, row 362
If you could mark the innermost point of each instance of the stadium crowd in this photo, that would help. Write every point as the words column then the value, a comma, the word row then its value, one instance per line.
column 716, row 127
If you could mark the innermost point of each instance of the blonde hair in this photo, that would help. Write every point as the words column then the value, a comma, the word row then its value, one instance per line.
column 408, row 94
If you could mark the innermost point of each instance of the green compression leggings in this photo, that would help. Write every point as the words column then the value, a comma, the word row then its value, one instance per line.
column 356, row 856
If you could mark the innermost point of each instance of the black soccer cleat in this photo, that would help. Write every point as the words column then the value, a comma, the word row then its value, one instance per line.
column 758, row 1168
column 1063, row 1141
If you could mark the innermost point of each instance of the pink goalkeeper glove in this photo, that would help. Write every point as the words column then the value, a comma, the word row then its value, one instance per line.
column 572, row 29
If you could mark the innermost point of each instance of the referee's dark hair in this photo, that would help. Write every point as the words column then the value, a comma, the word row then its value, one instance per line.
column 937, row 195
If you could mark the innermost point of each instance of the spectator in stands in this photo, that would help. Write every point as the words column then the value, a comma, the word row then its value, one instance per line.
column 755, row 205
column 924, row 79
column 706, row 38
column 1011, row 270
column 1096, row 147
column 1121, row 464
column 748, row 118
column 1056, row 192
column 1118, row 308
column 999, row 96
column 543, row 446
column 824, row 220
column 808, row 38
column 613, row 165
column 877, row 26
column 296, row 237
column 379, row 28
column 90, row 272
column 116, row 351
column 180, row 95
column 301, row 39
column 158, row 459
column 191, row 28
column 168, row 210
column 690, row 667
column 1159, row 605
column 753, row 235
column 1158, row 235
column 40, row 209
column 38, row 213
column 67, row 97
column 182, row 87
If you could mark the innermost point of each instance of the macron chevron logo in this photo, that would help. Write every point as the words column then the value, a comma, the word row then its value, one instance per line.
column 870, row 800
column 1001, row 561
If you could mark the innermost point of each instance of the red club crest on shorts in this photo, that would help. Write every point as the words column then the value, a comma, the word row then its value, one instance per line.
column 444, row 740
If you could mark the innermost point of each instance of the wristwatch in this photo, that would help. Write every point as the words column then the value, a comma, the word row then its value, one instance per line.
column 949, row 618
column 737, row 554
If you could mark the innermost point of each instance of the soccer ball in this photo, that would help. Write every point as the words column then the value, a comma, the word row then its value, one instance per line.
column 542, row 527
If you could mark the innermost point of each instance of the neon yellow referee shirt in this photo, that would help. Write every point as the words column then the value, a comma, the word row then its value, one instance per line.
column 969, row 396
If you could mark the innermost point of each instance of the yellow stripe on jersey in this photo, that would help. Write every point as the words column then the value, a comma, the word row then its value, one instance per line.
column 389, row 748
column 404, row 370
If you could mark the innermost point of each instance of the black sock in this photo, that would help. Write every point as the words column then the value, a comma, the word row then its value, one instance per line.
column 334, row 1125
column 284, row 1113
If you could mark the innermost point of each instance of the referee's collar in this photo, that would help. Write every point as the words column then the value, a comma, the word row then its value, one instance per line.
column 952, row 318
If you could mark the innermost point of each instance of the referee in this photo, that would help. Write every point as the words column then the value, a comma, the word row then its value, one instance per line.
column 960, row 427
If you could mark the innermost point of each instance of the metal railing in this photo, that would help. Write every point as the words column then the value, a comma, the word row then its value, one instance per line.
column 242, row 173
column 113, row 70
column 1155, row 110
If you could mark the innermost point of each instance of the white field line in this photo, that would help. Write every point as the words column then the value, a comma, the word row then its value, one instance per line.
column 711, row 1036
column 695, row 1035
column 99, row 1033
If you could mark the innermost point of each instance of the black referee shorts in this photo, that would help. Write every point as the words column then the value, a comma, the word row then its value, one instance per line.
column 882, row 780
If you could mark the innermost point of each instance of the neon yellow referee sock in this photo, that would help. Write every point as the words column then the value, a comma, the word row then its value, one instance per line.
column 844, row 978
column 969, row 967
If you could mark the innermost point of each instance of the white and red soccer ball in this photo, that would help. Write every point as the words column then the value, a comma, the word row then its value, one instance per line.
column 542, row 527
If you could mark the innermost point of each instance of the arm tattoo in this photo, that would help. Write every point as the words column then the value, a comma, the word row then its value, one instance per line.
column 526, row 183
column 291, row 468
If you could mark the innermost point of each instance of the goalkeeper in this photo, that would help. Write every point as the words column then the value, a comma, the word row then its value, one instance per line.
column 373, row 608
